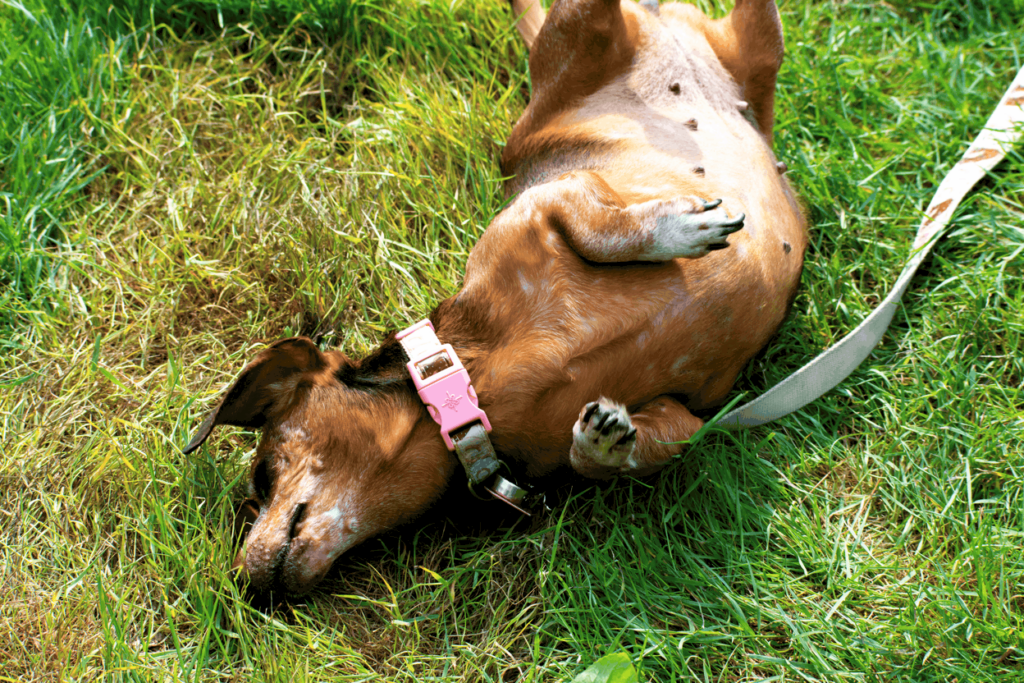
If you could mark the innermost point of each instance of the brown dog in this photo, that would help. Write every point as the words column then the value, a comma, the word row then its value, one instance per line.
column 597, row 310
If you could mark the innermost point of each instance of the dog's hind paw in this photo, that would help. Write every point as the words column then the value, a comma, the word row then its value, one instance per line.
column 686, row 228
column 603, row 437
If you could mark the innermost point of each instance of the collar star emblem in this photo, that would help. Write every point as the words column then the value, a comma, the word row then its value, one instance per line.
column 452, row 401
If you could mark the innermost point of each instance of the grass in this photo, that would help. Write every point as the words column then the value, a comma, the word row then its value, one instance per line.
column 245, row 174
column 55, row 69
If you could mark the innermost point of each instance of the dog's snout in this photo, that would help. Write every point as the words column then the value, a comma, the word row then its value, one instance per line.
column 270, row 540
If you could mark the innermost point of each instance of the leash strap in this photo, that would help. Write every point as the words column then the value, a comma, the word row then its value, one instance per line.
column 1003, row 129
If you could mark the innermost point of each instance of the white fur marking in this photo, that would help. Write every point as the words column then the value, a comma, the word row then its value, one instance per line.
column 680, row 363
column 525, row 283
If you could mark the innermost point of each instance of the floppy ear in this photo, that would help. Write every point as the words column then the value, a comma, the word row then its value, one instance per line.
column 272, row 376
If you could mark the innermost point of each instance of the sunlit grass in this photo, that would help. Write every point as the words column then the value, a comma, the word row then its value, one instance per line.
column 289, row 175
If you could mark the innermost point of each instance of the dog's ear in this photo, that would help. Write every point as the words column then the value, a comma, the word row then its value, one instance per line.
column 272, row 377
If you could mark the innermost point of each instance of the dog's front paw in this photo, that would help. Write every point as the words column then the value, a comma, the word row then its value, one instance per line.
column 687, row 229
column 603, row 436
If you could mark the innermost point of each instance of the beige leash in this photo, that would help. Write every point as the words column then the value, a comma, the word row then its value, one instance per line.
column 1004, row 128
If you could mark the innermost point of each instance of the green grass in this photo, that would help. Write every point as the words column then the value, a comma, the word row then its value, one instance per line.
column 55, row 67
column 239, row 175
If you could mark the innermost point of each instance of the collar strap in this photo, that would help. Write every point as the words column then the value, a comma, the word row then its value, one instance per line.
column 444, row 386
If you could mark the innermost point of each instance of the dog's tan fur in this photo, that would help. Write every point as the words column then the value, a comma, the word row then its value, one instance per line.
column 606, row 278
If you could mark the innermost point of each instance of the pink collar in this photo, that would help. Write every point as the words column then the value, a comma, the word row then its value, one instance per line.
column 444, row 386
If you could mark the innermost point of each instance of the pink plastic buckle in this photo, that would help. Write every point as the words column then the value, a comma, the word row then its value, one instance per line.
column 448, row 394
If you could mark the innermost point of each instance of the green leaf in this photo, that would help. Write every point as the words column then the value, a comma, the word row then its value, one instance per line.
column 613, row 668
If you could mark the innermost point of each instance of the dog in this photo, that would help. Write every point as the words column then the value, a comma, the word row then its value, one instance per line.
column 651, row 248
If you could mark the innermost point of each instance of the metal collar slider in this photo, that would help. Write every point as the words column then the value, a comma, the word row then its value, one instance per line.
column 507, row 492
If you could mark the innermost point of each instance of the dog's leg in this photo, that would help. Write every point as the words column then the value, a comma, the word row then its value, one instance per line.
column 751, row 48
column 607, row 440
column 581, row 45
column 748, row 42
column 597, row 224
column 529, row 18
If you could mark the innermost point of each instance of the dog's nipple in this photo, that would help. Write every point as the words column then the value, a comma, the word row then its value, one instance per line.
column 691, row 124
column 699, row 170
column 781, row 167
column 675, row 88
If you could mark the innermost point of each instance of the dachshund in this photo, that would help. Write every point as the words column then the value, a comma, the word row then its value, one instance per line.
column 651, row 247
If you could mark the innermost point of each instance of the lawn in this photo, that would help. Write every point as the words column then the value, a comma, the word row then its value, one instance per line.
column 181, row 184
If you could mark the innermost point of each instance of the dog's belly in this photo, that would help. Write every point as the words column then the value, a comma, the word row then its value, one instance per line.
column 569, row 331
column 668, row 127
column 675, row 107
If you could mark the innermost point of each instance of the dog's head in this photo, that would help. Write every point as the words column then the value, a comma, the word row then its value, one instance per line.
column 347, row 452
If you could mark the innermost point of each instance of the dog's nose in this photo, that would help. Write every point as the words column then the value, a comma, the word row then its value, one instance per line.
column 268, row 543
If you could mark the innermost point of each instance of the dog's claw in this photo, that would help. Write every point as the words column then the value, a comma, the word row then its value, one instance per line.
column 712, row 204
column 734, row 224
